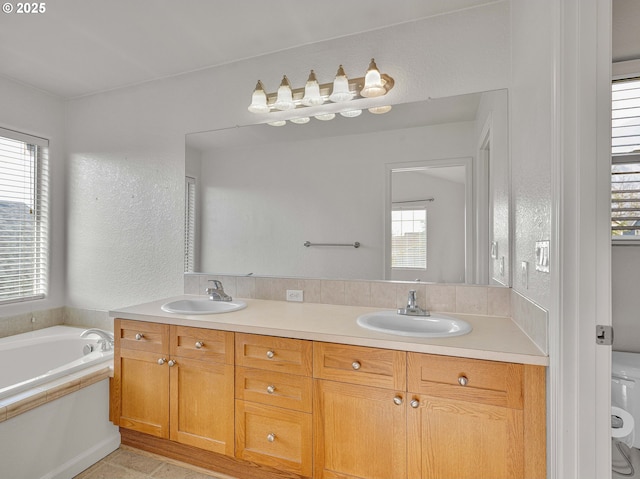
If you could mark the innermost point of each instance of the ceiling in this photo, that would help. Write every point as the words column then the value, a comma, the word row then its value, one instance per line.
column 80, row 47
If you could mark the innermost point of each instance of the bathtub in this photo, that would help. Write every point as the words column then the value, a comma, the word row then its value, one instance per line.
column 54, row 404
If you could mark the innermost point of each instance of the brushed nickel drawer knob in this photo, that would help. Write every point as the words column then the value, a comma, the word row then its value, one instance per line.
column 271, row 437
column 199, row 344
column 397, row 400
column 271, row 389
column 270, row 354
column 463, row 381
column 356, row 365
column 414, row 403
column 161, row 361
column 171, row 363
column 139, row 336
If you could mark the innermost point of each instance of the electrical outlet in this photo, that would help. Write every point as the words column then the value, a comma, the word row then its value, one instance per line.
column 295, row 295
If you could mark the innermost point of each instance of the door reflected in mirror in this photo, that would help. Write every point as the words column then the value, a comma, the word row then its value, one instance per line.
column 262, row 192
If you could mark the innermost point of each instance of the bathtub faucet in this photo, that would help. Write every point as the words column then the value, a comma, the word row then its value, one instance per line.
column 106, row 340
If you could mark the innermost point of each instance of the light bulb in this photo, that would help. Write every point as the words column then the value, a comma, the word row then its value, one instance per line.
column 373, row 83
column 340, row 90
column 277, row 123
column 325, row 116
column 300, row 121
column 379, row 110
column 259, row 100
column 351, row 113
column 312, row 92
column 284, row 100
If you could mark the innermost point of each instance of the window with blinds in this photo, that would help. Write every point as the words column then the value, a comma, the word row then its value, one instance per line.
column 189, row 224
column 24, row 200
column 409, row 237
column 625, row 164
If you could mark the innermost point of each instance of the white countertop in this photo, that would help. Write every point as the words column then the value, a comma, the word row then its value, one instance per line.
column 492, row 338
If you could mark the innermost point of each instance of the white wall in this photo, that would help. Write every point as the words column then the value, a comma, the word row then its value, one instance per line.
column 625, row 266
column 330, row 190
column 31, row 111
column 126, row 147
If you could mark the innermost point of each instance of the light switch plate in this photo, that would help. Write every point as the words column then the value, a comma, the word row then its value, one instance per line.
column 542, row 256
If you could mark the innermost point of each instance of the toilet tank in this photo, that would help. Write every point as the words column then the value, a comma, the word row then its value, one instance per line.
column 625, row 385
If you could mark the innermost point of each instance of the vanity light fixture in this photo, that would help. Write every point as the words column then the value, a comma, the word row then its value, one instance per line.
column 340, row 91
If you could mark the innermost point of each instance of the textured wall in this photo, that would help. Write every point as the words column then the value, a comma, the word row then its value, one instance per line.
column 530, row 109
column 126, row 147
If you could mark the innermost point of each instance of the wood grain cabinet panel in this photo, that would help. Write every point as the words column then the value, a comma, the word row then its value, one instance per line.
column 202, row 344
column 141, row 391
column 486, row 382
column 275, row 389
column 272, row 353
column 201, row 399
column 274, row 436
column 360, row 432
column 385, row 368
column 449, row 439
column 142, row 336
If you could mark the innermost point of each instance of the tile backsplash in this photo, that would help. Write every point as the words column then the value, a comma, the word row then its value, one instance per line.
column 452, row 298
column 81, row 318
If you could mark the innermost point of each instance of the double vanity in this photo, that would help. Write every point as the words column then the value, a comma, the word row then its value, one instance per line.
column 274, row 389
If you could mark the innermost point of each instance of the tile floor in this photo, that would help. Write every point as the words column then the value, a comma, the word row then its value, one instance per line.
column 130, row 463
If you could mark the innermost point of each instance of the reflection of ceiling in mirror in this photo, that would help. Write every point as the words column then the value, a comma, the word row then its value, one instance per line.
column 455, row 174
column 406, row 115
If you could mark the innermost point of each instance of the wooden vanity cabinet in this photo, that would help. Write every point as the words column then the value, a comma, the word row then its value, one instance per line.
column 175, row 383
column 297, row 408
column 359, row 412
column 273, row 402
column 140, row 396
column 474, row 419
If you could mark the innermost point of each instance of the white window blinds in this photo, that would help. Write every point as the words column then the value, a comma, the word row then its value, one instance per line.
column 409, row 237
column 189, row 224
column 625, row 165
column 24, row 201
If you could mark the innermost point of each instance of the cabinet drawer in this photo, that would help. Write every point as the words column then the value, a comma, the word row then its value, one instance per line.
column 142, row 336
column 487, row 382
column 274, row 354
column 273, row 388
column 383, row 368
column 203, row 344
column 275, row 437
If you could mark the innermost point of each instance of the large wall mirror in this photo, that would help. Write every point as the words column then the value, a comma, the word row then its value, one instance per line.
column 259, row 193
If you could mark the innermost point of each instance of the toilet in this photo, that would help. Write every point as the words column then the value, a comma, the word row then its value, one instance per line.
column 625, row 414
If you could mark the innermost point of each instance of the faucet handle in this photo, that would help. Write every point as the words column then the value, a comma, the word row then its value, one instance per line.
column 216, row 284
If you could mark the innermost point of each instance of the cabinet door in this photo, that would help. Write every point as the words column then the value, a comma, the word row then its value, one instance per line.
column 141, row 388
column 449, row 439
column 202, row 404
column 360, row 432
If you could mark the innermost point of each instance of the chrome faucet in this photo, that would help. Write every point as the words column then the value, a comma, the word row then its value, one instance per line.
column 412, row 308
column 106, row 340
column 217, row 292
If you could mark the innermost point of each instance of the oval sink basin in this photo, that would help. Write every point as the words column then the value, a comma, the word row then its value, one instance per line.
column 434, row 326
column 202, row 306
